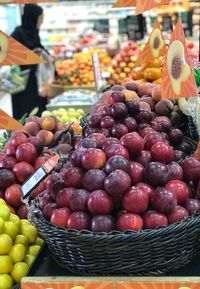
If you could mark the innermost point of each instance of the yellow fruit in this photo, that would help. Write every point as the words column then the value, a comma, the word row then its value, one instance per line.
column 30, row 232
column 25, row 222
column 2, row 225
column 6, row 264
column 21, row 239
column 17, row 253
column 16, row 220
column 29, row 259
column 39, row 242
column 5, row 244
column 6, row 281
column 34, row 250
column 19, row 271
column 4, row 212
column 11, row 229
column 3, row 202
column 77, row 287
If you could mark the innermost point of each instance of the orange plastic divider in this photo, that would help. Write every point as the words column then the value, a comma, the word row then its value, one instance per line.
column 14, row 53
column 177, row 77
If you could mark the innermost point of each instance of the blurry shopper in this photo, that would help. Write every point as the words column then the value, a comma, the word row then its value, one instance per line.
column 28, row 35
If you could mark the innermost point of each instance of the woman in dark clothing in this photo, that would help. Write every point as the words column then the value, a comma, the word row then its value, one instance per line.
column 28, row 35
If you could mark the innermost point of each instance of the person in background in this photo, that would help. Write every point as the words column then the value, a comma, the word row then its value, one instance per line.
column 28, row 35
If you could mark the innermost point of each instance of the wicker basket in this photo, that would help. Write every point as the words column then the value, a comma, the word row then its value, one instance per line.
column 149, row 252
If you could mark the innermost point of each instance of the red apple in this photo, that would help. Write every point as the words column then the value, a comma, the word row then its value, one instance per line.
column 77, row 156
column 94, row 120
column 130, row 123
column 49, row 209
column 192, row 206
column 102, row 223
column 176, row 172
column 7, row 178
column 144, row 158
column 94, row 180
column 109, row 141
column 116, row 150
column 145, row 187
column 73, row 177
column 134, row 143
column 78, row 201
column 117, row 163
column 136, row 173
column 163, row 200
column 79, row 221
column 178, row 214
column 38, row 144
column 18, row 139
column 117, row 183
column 118, row 130
column 119, row 110
column 116, row 96
column 156, row 174
column 10, row 150
column 26, row 152
column 22, row 212
column 162, row 152
column 180, row 189
column 99, row 202
column 23, row 171
column 54, row 184
column 99, row 138
column 152, row 139
column 136, row 200
column 129, row 221
column 8, row 163
column 107, row 122
column 60, row 217
column 93, row 159
column 63, row 197
column 153, row 220
column 191, row 169
column 13, row 196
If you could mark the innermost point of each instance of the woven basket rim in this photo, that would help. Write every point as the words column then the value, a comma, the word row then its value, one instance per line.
column 145, row 233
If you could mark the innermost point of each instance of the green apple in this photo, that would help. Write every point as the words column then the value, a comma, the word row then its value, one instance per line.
column 3, row 202
column 39, row 242
column 16, row 220
column 30, row 232
column 2, row 225
column 21, row 239
column 29, row 259
column 19, row 271
column 11, row 229
column 46, row 113
column 5, row 244
column 17, row 253
column 6, row 281
column 4, row 212
column 34, row 250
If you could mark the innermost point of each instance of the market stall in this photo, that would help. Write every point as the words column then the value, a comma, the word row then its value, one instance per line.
column 103, row 186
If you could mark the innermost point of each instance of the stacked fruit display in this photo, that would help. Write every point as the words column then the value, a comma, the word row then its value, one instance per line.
column 65, row 116
column 78, row 71
column 19, row 246
column 127, row 172
column 23, row 154
column 123, row 63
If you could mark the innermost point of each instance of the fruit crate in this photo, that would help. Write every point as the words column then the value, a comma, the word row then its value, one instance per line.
column 148, row 252
column 34, row 265
column 56, row 89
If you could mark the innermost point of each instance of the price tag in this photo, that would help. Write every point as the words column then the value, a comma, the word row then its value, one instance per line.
column 9, row 123
column 110, row 283
column 38, row 176
column 97, row 72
